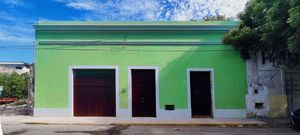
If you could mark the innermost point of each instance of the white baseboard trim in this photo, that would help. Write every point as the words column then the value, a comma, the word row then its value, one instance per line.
column 52, row 112
column 126, row 113
column 66, row 112
column 123, row 113
column 230, row 113
column 176, row 114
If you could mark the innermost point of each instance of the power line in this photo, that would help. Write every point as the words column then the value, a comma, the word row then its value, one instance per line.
column 37, row 11
column 15, row 45
column 17, row 48
column 37, row 21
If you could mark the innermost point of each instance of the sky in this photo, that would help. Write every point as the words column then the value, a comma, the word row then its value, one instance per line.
column 18, row 16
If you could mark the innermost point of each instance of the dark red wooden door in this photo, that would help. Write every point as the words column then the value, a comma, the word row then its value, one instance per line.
column 94, row 92
column 200, row 94
column 143, row 93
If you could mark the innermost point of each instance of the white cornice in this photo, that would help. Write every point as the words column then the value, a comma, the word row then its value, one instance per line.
column 74, row 27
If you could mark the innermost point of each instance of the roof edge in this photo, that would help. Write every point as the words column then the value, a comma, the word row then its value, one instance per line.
column 12, row 62
column 136, row 26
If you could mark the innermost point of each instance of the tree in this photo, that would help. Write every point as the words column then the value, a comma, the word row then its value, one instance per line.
column 294, row 21
column 14, row 85
column 215, row 18
column 271, row 27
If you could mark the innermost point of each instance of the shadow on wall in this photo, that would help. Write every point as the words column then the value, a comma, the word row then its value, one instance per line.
column 229, row 75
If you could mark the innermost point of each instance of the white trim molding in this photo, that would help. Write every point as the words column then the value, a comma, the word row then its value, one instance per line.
column 138, row 26
column 155, row 68
column 174, row 114
column 230, row 113
column 211, row 70
column 51, row 112
column 71, row 68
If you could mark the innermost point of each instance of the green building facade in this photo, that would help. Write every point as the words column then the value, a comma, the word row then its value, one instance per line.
column 171, row 53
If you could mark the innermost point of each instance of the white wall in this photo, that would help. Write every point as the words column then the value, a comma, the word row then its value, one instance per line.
column 269, row 82
column 12, row 68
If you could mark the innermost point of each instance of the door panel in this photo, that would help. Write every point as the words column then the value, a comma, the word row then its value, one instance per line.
column 143, row 93
column 200, row 94
column 94, row 92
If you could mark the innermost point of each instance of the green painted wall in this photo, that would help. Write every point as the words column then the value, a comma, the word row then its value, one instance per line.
column 52, row 62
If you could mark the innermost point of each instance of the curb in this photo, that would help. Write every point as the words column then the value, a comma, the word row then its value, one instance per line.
column 198, row 124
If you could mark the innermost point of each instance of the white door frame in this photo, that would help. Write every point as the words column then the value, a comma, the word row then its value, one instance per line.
column 71, row 90
column 155, row 68
column 211, row 70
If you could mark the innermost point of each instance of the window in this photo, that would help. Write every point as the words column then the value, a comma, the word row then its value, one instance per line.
column 259, row 105
column 18, row 67
column 255, row 91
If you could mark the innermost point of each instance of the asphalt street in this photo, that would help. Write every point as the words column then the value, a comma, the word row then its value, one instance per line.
column 36, row 129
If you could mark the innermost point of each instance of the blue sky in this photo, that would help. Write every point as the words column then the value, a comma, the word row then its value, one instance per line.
column 17, row 16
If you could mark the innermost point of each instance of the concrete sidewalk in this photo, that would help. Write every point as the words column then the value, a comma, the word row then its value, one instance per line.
column 129, row 121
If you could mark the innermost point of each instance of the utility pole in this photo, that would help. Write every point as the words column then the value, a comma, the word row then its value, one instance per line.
column 31, row 89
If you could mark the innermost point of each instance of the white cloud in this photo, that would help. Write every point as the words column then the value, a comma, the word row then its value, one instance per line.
column 198, row 9
column 124, row 10
column 15, row 39
column 16, row 30
column 230, row 8
column 14, row 2
column 149, row 10
column 83, row 4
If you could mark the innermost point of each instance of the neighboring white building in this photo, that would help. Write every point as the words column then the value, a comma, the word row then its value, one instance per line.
column 272, row 92
column 266, row 93
column 10, row 67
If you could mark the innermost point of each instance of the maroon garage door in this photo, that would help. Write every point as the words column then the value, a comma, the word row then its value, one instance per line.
column 94, row 92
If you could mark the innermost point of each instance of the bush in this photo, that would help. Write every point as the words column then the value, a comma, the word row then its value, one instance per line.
column 14, row 85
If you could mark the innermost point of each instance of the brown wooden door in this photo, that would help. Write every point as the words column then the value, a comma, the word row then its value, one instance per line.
column 94, row 92
column 200, row 94
column 143, row 93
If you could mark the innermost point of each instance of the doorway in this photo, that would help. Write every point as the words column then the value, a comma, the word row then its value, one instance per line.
column 143, row 85
column 200, row 93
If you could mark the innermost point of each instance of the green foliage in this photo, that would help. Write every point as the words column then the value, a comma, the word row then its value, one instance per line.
column 294, row 21
column 14, row 85
column 215, row 18
column 271, row 27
